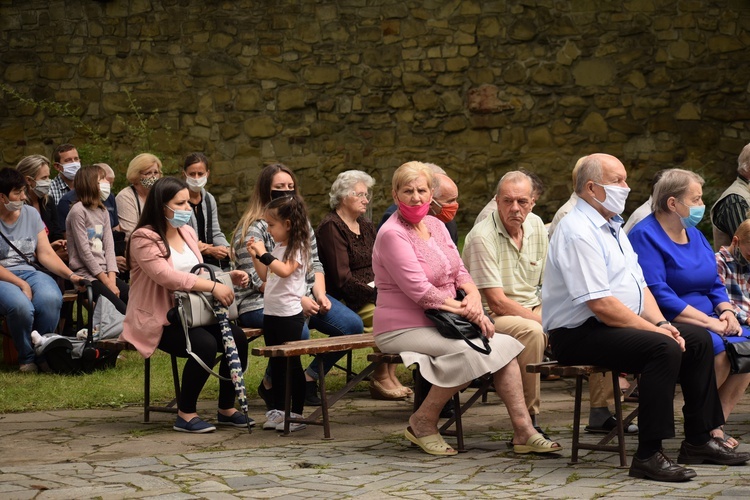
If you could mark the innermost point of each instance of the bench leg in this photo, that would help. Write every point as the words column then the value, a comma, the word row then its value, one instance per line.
column 287, row 397
column 176, row 382
column 620, row 423
column 146, row 389
column 577, row 420
column 324, row 396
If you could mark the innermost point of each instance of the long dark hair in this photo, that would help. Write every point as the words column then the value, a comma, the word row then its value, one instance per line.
column 292, row 208
column 261, row 197
column 152, row 215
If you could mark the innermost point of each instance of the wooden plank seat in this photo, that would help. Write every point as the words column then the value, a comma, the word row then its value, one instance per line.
column 580, row 372
column 171, row 406
column 455, row 421
column 313, row 347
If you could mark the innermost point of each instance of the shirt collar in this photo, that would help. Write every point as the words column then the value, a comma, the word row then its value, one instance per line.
column 504, row 232
column 596, row 218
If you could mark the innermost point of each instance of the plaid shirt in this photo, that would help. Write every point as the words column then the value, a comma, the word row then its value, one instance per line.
column 735, row 278
column 58, row 188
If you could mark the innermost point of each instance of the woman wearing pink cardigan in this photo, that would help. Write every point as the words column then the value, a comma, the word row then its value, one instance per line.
column 417, row 267
column 161, row 252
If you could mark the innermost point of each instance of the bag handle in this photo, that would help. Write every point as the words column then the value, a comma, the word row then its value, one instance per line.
column 206, row 267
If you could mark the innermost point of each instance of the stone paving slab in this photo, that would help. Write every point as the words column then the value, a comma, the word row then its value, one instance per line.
column 110, row 453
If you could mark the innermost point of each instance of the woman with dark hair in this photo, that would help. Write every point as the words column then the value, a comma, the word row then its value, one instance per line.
column 205, row 221
column 91, row 247
column 29, row 298
column 326, row 314
column 161, row 252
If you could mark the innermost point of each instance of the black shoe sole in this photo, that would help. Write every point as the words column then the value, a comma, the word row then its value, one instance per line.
column 708, row 461
column 643, row 475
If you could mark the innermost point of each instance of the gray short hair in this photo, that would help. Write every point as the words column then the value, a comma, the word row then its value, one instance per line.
column 514, row 176
column 344, row 185
column 673, row 183
column 589, row 170
column 108, row 172
column 743, row 161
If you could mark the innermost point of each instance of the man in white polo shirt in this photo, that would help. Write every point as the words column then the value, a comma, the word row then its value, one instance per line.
column 598, row 310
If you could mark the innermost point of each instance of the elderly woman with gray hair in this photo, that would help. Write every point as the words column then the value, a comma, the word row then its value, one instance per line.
column 680, row 269
column 345, row 240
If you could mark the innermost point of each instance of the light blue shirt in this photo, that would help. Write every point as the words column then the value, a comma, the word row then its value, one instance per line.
column 589, row 258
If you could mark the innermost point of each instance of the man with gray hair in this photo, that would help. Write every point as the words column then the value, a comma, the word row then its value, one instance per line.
column 505, row 255
column 599, row 311
column 733, row 205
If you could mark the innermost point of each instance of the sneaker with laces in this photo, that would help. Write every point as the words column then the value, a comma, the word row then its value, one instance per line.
column 293, row 426
column 273, row 419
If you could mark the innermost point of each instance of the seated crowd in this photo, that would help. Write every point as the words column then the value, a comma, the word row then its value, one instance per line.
column 649, row 298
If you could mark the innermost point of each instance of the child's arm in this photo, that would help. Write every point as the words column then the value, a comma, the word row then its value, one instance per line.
column 283, row 269
column 263, row 260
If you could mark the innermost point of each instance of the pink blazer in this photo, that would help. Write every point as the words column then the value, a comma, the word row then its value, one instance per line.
column 153, row 281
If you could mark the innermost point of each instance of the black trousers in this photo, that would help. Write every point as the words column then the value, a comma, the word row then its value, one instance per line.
column 205, row 342
column 660, row 363
column 98, row 288
column 276, row 331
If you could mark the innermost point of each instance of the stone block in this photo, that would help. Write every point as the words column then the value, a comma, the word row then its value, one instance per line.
column 549, row 74
column 291, row 98
column 688, row 111
column 522, row 30
column 594, row 72
column 722, row 44
column 399, row 100
column 515, row 73
column 220, row 40
column 260, row 126
column 390, row 27
column 56, row 71
column 486, row 99
column 264, row 69
column 19, row 73
column 369, row 33
column 539, row 138
column 382, row 57
column 412, row 81
column 451, row 101
column 594, row 124
column 454, row 124
column 214, row 64
column 456, row 64
column 568, row 53
column 488, row 27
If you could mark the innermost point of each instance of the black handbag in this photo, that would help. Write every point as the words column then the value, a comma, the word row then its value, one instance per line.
column 739, row 356
column 454, row 326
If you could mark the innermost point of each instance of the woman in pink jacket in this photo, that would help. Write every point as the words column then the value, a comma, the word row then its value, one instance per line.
column 161, row 252
column 417, row 267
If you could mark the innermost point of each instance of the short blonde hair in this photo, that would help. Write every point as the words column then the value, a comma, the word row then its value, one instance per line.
column 410, row 171
column 140, row 163
column 674, row 183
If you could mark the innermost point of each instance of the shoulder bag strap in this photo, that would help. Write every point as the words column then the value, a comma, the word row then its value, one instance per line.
column 23, row 256
column 137, row 201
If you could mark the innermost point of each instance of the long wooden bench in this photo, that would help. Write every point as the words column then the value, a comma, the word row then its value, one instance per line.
column 580, row 372
column 170, row 407
column 456, row 420
column 313, row 347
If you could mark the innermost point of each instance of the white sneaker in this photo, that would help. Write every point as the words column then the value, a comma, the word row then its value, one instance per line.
column 292, row 426
column 273, row 418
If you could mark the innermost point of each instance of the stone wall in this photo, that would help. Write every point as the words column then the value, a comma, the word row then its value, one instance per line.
column 477, row 86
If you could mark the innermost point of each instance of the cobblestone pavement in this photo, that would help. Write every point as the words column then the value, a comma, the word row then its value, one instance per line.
column 113, row 454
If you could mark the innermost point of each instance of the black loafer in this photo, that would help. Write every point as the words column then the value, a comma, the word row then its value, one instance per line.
column 660, row 468
column 713, row 452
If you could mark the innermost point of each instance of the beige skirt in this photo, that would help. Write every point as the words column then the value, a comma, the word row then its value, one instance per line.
column 447, row 362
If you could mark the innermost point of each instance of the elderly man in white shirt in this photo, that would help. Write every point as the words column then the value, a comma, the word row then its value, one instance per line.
column 598, row 310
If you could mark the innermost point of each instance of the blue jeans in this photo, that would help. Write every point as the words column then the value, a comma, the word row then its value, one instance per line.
column 339, row 320
column 41, row 313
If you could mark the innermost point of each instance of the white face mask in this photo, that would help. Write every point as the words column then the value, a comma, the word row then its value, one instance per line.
column 196, row 184
column 71, row 169
column 104, row 190
column 13, row 206
column 615, row 198
column 42, row 187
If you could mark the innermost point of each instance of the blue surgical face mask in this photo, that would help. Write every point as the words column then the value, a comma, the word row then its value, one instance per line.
column 696, row 214
column 181, row 217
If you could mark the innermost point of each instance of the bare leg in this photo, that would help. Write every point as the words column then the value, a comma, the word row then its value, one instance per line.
column 423, row 422
column 731, row 389
column 509, row 387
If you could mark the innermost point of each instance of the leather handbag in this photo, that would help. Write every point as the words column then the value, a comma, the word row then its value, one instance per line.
column 197, row 308
column 454, row 326
column 739, row 356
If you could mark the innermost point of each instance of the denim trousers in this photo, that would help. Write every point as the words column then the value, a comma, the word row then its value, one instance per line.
column 41, row 313
column 339, row 320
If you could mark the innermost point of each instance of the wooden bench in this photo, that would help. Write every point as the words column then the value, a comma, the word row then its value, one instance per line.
column 580, row 372
column 170, row 407
column 313, row 347
column 456, row 420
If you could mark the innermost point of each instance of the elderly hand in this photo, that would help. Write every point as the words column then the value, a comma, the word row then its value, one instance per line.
column 732, row 325
column 670, row 330
column 239, row 278
column 472, row 306
column 217, row 252
column 488, row 327
column 26, row 289
column 716, row 325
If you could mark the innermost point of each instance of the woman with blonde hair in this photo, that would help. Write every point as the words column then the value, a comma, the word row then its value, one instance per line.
column 417, row 267
column 143, row 171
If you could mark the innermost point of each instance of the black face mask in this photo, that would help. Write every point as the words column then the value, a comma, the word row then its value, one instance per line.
column 277, row 193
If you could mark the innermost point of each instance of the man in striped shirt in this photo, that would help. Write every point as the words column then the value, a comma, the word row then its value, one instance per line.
column 733, row 205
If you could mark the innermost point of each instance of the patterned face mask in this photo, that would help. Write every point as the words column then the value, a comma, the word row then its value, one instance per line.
column 148, row 182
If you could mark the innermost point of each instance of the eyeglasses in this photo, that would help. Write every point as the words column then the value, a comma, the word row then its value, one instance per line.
column 365, row 196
